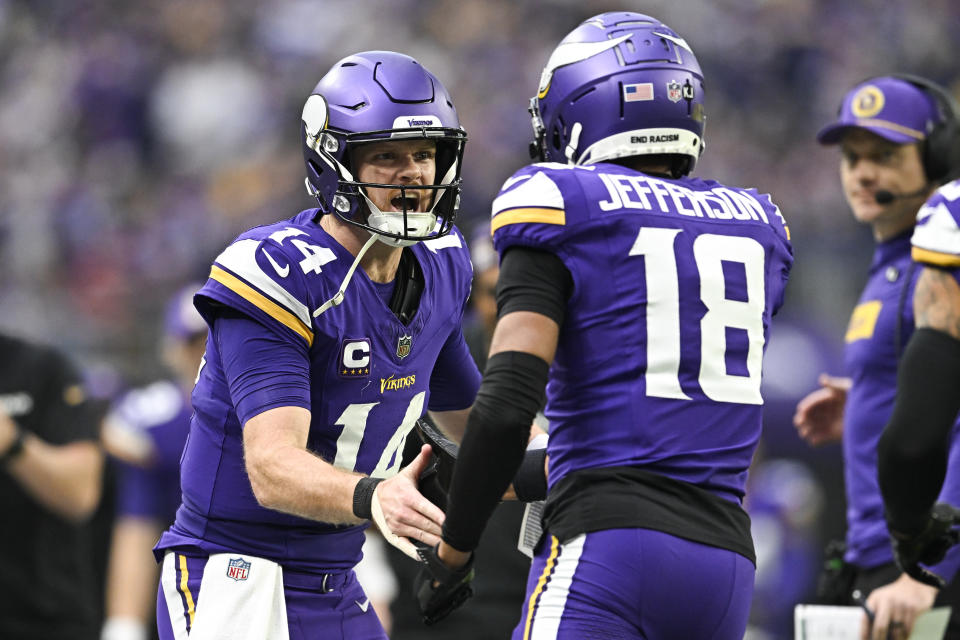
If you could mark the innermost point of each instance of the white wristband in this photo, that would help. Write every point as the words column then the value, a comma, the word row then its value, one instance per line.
column 123, row 629
column 539, row 442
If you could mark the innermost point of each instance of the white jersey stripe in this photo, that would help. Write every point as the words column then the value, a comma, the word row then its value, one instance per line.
column 241, row 259
column 538, row 192
column 265, row 304
column 168, row 582
column 553, row 600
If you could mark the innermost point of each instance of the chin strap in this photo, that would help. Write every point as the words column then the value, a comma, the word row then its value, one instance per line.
column 571, row 149
column 338, row 296
column 445, row 180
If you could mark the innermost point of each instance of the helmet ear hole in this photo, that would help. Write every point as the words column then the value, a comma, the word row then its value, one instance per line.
column 313, row 173
column 555, row 138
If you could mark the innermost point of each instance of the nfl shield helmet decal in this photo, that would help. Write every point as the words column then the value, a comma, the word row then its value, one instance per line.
column 238, row 569
column 403, row 346
column 674, row 91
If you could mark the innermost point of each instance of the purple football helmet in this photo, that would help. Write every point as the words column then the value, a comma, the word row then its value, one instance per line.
column 620, row 84
column 374, row 96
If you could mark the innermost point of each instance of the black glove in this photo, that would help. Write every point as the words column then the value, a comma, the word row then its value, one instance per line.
column 530, row 482
column 434, row 481
column 835, row 583
column 452, row 590
column 928, row 546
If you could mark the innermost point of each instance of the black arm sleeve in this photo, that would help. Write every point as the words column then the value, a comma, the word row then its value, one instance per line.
column 912, row 454
column 494, row 443
column 533, row 280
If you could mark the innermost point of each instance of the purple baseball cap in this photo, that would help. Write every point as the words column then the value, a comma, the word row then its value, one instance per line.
column 182, row 320
column 890, row 107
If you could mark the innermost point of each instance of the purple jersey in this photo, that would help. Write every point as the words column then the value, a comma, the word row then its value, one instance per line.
column 158, row 415
column 879, row 329
column 871, row 355
column 371, row 377
column 880, row 326
column 936, row 243
column 674, row 284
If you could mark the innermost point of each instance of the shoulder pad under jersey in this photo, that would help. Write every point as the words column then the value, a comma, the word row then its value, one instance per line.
column 276, row 274
column 936, row 238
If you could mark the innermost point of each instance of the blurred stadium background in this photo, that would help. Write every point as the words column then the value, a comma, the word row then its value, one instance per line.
column 138, row 138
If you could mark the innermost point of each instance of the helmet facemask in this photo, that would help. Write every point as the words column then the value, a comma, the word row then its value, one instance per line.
column 415, row 220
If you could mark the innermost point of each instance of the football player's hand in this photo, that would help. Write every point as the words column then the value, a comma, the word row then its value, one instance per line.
column 929, row 546
column 819, row 415
column 439, row 588
column 402, row 513
column 896, row 607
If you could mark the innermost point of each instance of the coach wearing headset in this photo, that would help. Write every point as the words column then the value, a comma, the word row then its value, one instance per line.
column 896, row 136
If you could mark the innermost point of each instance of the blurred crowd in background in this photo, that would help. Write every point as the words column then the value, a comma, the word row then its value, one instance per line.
column 138, row 138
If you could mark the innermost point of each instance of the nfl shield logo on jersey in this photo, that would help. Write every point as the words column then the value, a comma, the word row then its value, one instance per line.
column 238, row 569
column 674, row 91
column 403, row 346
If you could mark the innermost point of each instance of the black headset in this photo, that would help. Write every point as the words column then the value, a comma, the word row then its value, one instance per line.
column 940, row 151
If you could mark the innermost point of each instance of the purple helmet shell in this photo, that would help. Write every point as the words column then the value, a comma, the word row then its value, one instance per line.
column 621, row 84
column 381, row 95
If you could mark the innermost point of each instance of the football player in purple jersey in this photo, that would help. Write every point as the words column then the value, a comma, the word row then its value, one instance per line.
column 330, row 334
column 641, row 299
column 893, row 132
column 916, row 465
column 144, row 433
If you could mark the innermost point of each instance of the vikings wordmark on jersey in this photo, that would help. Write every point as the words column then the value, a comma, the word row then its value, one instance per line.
column 371, row 378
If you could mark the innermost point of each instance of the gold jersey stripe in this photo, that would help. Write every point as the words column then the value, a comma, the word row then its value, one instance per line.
column 185, row 589
column 263, row 303
column 528, row 214
column 541, row 583
column 935, row 257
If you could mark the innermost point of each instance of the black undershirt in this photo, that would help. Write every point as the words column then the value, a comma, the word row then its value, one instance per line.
column 533, row 280
column 633, row 498
column 603, row 498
